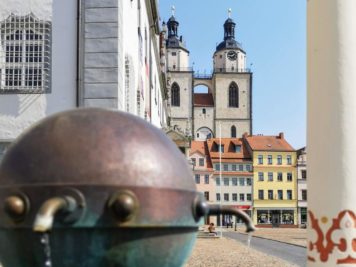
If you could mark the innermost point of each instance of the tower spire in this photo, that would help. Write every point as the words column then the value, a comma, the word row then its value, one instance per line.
column 229, row 11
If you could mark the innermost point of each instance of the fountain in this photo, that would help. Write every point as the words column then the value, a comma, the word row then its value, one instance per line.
column 98, row 188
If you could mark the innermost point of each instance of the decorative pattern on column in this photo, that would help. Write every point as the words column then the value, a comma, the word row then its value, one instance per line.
column 333, row 239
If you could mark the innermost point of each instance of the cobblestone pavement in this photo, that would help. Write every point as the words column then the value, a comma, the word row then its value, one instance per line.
column 224, row 252
column 292, row 236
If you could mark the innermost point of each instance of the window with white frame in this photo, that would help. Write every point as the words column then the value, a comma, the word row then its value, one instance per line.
column 25, row 55
column 289, row 177
column 260, row 176
column 248, row 181
column 270, row 176
column 226, row 181
column 242, row 181
column 269, row 157
column 234, row 197
column 260, row 159
column 226, row 167
column 226, row 197
column 304, row 174
column 289, row 194
column 234, row 181
column 248, row 197
column 197, row 178
column 279, row 160
column 237, row 148
column 242, row 197
column 289, row 159
column 304, row 194
column 280, row 194
column 270, row 194
column 201, row 161
column 206, row 178
column 260, row 194
column 279, row 177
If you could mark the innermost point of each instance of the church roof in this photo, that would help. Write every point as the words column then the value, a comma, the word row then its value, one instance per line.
column 203, row 100
column 229, row 44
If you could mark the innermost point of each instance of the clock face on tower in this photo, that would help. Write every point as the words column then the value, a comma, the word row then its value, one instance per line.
column 232, row 55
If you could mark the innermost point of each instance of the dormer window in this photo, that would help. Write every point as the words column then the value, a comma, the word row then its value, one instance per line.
column 221, row 148
column 237, row 148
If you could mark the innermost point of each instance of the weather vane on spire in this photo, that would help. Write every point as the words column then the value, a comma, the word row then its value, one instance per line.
column 229, row 12
column 173, row 8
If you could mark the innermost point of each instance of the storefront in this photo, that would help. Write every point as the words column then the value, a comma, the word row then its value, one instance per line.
column 276, row 217
column 230, row 220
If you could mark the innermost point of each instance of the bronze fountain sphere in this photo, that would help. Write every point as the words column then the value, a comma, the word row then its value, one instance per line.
column 109, row 190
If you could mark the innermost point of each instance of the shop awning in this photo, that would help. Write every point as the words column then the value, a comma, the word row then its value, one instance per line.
column 242, row 207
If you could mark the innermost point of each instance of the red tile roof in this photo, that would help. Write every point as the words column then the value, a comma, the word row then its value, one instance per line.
column 203, row 100
column 229, row 149
column 197, row 146
column 201, row 147
column 268, row 143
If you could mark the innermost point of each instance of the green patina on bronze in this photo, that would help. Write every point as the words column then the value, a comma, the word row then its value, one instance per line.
column 119, row 191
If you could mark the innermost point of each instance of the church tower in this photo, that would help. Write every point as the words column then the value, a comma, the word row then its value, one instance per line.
column 179, row 80
column 228, row 101
column 232, row 86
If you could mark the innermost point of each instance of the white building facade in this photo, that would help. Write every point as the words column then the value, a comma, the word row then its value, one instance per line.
column 59, row 55
column 302, row 186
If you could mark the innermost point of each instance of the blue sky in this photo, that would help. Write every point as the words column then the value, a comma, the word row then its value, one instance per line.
column 273, row 34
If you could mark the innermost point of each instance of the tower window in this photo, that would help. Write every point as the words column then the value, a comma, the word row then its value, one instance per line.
column 174, row 53
column 204, row 111
column 233, row 95
column 233, row 131
column 175, row 97
column 25, row 63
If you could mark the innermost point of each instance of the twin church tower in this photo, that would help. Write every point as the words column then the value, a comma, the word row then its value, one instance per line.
column 228, row 101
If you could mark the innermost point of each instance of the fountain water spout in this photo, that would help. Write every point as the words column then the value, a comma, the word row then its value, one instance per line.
column 45, row 217
column 221, row 209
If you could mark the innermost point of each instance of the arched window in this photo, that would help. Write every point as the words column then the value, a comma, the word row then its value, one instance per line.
column 233, row 95
column 175, row 97
column 204, row 133
column 233, row 131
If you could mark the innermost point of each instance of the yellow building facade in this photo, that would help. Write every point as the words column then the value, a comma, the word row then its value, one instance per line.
column 275, row 195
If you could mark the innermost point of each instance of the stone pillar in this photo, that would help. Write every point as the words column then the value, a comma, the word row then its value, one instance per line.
column 101, row 54
column 331, row 139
